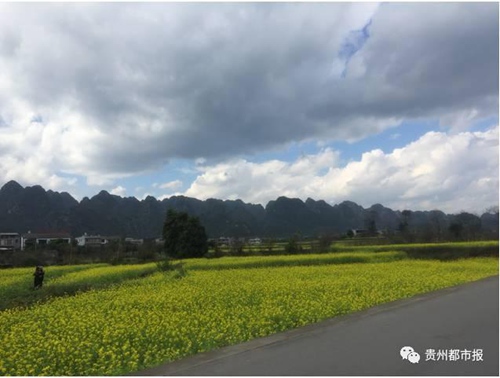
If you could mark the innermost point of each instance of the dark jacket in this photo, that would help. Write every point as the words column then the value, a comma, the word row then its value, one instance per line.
column 39, row 274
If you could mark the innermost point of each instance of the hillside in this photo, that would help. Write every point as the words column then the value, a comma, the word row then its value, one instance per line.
column 35, row 209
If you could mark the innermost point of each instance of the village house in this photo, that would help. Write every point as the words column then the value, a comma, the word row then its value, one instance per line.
column 10, row 241
column 95, row 240
column 34, row 239
column 91, row 240
column 134, row 241
column 255, row 241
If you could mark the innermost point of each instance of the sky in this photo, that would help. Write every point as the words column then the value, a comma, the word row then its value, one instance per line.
column 393, row 103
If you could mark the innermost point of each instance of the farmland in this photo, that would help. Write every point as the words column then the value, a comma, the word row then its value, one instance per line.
column 108, row 320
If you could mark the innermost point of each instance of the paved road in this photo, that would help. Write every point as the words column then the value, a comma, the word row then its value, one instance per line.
column 369, row 342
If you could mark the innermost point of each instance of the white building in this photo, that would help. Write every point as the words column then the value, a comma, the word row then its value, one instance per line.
column 134, row 241
column 91, row 240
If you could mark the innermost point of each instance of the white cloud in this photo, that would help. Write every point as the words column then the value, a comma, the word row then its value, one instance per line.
column 48, row 149
column 461, row 120
column 119, row 191
column 450, row 172
column 176, row 184
column 261, row 182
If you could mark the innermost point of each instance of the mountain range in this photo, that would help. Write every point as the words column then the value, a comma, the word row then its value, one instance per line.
column 32, row 208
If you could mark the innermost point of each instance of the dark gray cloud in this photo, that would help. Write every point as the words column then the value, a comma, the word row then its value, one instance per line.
column 409, row 72
column 151, row 82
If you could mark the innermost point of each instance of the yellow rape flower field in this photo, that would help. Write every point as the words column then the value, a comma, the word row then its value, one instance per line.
column 145, row 321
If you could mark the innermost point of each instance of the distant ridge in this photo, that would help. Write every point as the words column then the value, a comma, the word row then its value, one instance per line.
column 33, row 208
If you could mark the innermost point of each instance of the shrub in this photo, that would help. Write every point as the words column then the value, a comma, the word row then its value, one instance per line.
column 293, row 247
column 168, row 265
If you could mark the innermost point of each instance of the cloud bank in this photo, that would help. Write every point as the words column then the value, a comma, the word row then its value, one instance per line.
column 104, row 91
column 438, row 168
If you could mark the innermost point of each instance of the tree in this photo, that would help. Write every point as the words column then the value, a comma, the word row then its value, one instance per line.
column 492, row 210
column 471, row 225
column 184, row 236
column 456, row 229
column 325, row 241
column 293, row 246
column 404, row 225
column 269, row 246
column 371, row 223
column 236, row 247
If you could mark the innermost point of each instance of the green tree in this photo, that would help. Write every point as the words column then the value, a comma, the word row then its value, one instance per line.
column 184, row 236
column 293, row 246
column 236, row 248
column 371, row 223
column 466, row 226
column 404, row 225
column 324, row 242
column 456, row 229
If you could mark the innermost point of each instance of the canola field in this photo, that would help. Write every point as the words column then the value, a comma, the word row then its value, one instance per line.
column 141, row 322
column 15, row 284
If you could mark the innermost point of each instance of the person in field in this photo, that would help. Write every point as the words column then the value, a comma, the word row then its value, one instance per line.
column 39, row 274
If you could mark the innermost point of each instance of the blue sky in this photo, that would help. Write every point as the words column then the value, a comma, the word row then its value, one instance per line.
column 335, row 101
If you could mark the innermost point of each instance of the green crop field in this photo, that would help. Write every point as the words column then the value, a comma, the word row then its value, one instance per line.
column 346, row 246
column 16, row 284
column 447, row 250
column 131, row 317
column 294, row 260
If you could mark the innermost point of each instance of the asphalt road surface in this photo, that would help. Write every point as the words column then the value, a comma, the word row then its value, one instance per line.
column 463, row 318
